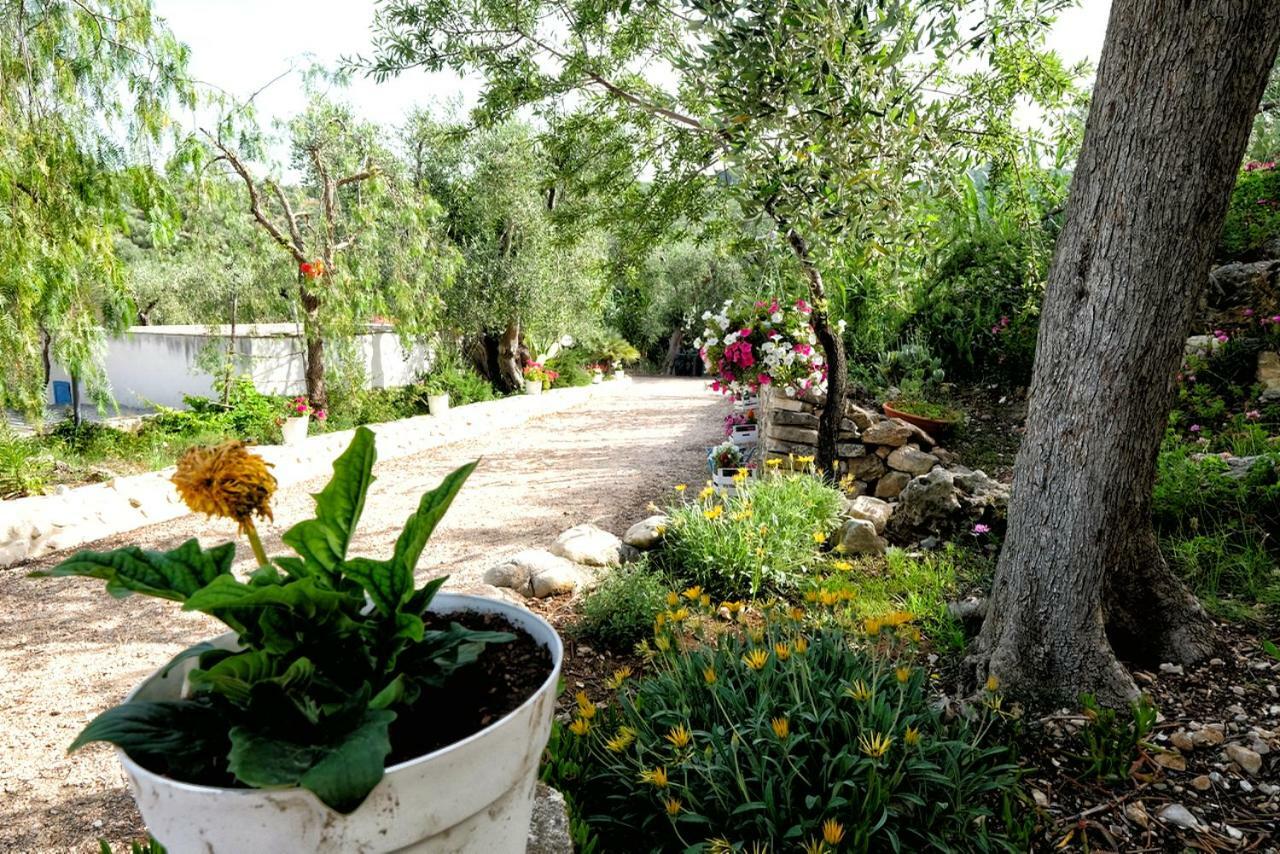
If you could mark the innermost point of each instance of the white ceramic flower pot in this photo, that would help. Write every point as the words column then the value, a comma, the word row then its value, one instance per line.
column 745, row 435
column 533, row 386
column 597, row 378
column 741, row 404
column 619, row 373
column 438, row 404
column 474, row 796
column 294, row 429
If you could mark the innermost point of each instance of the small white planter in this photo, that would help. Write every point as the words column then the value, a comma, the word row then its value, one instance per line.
column 742, row 404
column 723, row 479
column 533, row 386
column 294, row 429
column 745, row 435
column 619, row 373
column 474, row 796
column 438, row 404
column 597, row 377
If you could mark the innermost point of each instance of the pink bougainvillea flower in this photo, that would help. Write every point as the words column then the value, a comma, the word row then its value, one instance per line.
column 321, row 415
column 764, row 379
column 803, row 307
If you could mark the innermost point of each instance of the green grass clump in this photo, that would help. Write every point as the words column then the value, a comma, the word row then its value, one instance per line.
column 763, row 539
column 620, row 612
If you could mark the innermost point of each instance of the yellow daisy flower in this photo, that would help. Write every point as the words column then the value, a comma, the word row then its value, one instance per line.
column 756, row 659
column 226, row 480
column 580, row 726
column 875, row 746
column 832, row 831
column 781, row 728
column 657, row 777
column 621, row 741
column 679, row 736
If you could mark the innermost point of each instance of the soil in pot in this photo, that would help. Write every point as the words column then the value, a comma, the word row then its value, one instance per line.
column 496, row 684
column 937, row 423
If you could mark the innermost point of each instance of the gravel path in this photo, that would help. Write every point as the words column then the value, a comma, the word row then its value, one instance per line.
column 67, row 650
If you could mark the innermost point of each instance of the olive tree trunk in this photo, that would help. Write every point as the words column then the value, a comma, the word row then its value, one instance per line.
column 1080, row 578
column 313, row 364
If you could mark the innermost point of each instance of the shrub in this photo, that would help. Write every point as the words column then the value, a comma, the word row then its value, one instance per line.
column 762, row 539
column 1112, row 742
column 1254, row 215
column 25, row 468
column 620, row 612
column 780, row 735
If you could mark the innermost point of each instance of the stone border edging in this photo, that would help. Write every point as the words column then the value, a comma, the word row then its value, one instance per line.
column 43, row 524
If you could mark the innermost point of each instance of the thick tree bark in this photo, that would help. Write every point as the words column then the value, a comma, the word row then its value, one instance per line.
column 1080, row 577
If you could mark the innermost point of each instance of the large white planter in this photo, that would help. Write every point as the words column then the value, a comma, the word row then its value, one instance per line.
column 294, row 429
column 438, row 404
column 472, row 797
column 533, row 386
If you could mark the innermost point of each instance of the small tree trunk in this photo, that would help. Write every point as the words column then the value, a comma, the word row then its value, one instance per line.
column 75, row 400
column 1080, row 576
column 826, row 459
column 317, row 393
column 510, row 369
column 674, row 343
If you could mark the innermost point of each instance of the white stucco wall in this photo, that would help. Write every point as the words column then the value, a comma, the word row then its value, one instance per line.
column 158, row 364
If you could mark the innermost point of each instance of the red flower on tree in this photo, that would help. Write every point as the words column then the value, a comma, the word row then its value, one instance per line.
column 312, row 270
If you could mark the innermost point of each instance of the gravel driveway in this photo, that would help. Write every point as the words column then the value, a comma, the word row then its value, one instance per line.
column 68, row 651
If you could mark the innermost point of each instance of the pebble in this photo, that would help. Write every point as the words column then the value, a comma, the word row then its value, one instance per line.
column 1175, row 669
column 1202, row 783
column 1247, row 759
column 1179, row 815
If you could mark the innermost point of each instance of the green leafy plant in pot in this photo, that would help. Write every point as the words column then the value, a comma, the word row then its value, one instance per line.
column 335, row 666
column 917, row 376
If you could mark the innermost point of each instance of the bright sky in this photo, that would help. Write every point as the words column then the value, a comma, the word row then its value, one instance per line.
column 240, row 45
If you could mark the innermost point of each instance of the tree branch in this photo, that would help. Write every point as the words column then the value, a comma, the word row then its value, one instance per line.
column 255, row 199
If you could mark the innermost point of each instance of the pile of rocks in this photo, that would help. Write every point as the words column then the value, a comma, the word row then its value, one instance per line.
column 576, row 561
column 904, row 486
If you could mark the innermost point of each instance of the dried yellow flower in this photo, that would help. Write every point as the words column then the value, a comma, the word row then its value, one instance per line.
column 832, row 831
column 781, row 728
column 226, row 480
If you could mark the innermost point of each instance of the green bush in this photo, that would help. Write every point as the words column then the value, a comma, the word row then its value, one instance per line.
column 451, row 375
column 1254, row 215
column 25, row 467
column 762, row 539
column 620, row 612
column 789, row 740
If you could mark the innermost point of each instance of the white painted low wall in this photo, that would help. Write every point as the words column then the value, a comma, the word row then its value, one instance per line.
column 43, row 524
column 159, row 364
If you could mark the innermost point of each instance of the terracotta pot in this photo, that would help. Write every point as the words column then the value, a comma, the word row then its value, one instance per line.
column 935, row 427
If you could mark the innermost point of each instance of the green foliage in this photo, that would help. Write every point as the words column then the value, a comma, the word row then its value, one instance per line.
column 1217, row 527
column 151, row 846
column 308, row 696
column 77, row 80
column 921, row 585
column 707, row 747
column 1112, row 743
column 762, row 539
column 619, row 613
column 25, row 467
column 1253, row 217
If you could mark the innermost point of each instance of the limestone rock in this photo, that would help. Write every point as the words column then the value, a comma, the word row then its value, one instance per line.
column 873, row 510
column 866, row 468
column 517, row 571
column 849, row 450
column 795, row 419
column 859, row 537
column 863, row 418
column 589, row 545
column 892, row 484
column 646, row 533
column 549, row 827
column 890, row 432
column 798, row 435
column 929, row 498
column 559, row 580
column 911, row 460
